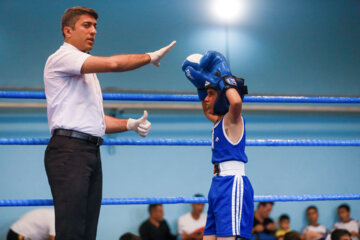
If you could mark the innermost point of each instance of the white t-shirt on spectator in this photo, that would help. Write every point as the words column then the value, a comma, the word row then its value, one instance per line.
column 318, row 229
column 188, row 224
column 38, row 224
column 351, row 226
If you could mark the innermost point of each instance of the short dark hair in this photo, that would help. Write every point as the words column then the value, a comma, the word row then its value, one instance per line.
column 284, row 217
column 198, row 195
column 129, row 236
column 311, row 207
column 292, row 236
column 71, row 15
column 338, row 233
column 347, row 207
column 153, row 206
column 265, row 203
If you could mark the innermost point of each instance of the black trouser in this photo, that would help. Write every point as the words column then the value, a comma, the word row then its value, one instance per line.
column 13, row 236
column 73, row 167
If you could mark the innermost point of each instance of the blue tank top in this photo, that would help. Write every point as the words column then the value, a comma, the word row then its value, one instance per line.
column 223, row 149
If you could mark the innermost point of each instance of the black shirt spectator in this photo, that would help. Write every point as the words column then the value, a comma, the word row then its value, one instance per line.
column 262, row 222
column 155, row 228
column 265, row 224
column 150, row 232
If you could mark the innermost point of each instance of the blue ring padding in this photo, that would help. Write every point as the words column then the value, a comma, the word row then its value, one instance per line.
column 177, row 200
column 195, row 142
column 190, row 98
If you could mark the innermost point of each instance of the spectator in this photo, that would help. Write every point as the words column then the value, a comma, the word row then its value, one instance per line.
column 129, row 236
column 38, row 224
column 262, row 222
column 340, row 234
column 314, row 230
column 346, row 222
column 284, row 226
column 292, row 236
column 191, row 225
column 155, row 228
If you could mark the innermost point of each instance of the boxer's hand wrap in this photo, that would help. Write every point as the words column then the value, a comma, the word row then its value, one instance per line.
column 227, row 82
column 142, row 126
column 156, row 56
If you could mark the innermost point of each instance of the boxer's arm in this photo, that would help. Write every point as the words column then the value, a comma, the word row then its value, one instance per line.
column 232, row 120
column 234, row 114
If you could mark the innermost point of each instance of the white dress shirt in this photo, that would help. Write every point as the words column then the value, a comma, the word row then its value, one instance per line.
column 74, row 100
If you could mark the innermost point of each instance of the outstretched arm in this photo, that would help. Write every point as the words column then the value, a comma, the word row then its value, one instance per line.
column 125, row 62
column 117, row 63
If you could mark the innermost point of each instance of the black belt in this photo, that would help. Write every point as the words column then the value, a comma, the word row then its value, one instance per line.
column 216, row 169
column 79, row 135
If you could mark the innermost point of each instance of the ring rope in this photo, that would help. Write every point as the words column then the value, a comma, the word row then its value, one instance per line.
column 191, row 98
column 177, row 200
column 195, row 142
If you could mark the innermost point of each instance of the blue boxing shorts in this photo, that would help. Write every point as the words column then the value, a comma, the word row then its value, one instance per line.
column 231, row 207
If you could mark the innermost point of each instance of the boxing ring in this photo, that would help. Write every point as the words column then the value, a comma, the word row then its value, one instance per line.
column 193, row 142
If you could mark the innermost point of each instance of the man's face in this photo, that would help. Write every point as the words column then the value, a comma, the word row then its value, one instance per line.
column 83, row 34
column 157, row 213
column 198, row 208
column 344, row 214
column 312, row 215
column 265, row 210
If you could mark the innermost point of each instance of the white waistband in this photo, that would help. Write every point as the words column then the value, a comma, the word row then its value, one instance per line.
column 232, row 168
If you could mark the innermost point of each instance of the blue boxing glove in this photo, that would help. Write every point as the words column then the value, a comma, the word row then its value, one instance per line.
column 195, row 74
column 216, row 64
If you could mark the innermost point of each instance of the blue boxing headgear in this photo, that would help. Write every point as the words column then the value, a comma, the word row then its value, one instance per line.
column 221, row 106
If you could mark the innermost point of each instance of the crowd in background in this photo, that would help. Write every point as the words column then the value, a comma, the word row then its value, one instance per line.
column 192, row 224
column 266, row 228
column 40, row 224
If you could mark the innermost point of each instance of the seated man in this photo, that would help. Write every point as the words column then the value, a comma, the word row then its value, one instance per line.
column 262, row 222
column 314, row 230
column 36, row 224
column 346, row 222
column 155, row 228
column 191, row 225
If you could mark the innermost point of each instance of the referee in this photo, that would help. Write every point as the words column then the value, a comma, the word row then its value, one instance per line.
column 77, row 122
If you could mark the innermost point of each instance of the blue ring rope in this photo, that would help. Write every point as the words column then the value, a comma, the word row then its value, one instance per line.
column 191, row 98
column 195, row 142
column 177, row 200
